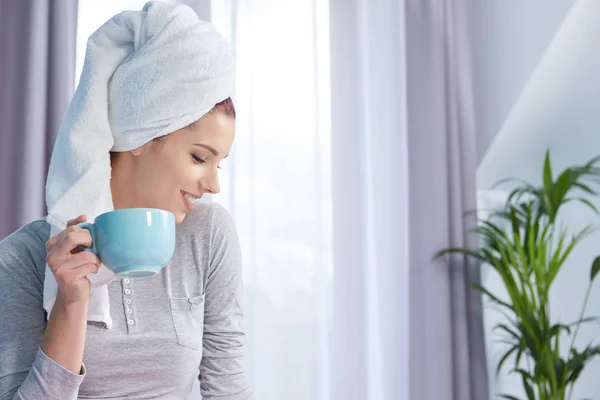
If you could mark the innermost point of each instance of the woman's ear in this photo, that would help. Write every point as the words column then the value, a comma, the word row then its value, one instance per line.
column 137, row 151
column 146, row 146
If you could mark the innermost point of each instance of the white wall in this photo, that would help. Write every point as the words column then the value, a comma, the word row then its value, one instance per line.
column 509, row 38
column 555, row 107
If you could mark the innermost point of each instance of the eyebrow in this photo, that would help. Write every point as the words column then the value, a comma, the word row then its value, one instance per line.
column 209, row 148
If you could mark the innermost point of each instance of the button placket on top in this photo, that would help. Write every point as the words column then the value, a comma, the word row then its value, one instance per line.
column 129, row 306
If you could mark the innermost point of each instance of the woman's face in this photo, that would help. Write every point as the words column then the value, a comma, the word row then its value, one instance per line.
column 172, row 172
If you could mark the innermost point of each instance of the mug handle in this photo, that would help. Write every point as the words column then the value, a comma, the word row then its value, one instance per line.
column 90, row 227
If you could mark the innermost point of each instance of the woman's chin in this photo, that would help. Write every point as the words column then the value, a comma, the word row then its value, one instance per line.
column 179, row 217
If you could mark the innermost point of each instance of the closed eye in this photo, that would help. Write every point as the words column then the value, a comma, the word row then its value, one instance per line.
column 199, row 160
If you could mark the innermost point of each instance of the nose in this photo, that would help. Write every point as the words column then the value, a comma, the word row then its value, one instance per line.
column 210, row 182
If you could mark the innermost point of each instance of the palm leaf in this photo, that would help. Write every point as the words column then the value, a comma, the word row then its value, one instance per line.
column 524, row 244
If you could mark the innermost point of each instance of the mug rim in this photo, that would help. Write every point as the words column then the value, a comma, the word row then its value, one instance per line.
column 159, row 210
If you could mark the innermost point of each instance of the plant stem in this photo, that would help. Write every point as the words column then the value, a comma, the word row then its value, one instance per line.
column 587, row 296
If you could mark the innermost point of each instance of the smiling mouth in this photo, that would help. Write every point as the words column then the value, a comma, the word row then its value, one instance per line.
column 190, row 199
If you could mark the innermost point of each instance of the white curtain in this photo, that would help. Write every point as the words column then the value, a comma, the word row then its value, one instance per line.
column 321, row 206
column 370, row 197
column 277, row 186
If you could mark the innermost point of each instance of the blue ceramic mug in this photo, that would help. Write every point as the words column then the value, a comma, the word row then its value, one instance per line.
column 133, row 242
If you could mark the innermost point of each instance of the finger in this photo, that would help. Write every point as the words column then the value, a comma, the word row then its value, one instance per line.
column 78, row 273
column 70, row 240
column 85, row 270
column 77, row 260
column 53, row 241
column 81, row 218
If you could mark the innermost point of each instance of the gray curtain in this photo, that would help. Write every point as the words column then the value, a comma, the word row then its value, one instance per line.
column 447, row 356
column 37, row 73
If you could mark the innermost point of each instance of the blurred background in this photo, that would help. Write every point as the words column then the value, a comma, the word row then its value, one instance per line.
column 366, row 130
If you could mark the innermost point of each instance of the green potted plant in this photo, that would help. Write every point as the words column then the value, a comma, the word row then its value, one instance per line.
column 524, row 243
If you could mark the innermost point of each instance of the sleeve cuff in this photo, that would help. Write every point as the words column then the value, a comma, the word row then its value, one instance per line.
column 54, row 372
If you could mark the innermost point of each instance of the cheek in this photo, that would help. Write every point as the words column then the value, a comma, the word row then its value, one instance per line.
column 160, row 176
column 177, row 173
column 166, row 175
column 185, row 172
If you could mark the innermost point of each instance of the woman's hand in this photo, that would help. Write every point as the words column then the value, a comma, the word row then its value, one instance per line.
column 71, row 265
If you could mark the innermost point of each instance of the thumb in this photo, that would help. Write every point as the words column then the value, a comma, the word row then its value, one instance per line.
column 81, row 218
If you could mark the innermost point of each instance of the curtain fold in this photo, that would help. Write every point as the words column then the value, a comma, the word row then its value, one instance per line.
column 447, row 355
column 276, row 184
column 37, row 71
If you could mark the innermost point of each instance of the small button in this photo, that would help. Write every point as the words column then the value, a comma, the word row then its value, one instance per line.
column 127, row 281
column 129, row 311
column 128, row 301
column 130, row 322
column 127, row 291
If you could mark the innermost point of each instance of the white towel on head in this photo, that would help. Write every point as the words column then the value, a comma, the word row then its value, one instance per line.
column 146, row 74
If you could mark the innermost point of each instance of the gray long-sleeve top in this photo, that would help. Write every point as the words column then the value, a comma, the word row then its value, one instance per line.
column 184, row 323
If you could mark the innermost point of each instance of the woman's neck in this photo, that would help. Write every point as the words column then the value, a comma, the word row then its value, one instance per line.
column 120, row 182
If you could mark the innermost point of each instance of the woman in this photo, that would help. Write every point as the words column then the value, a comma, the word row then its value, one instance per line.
column 163, row 330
